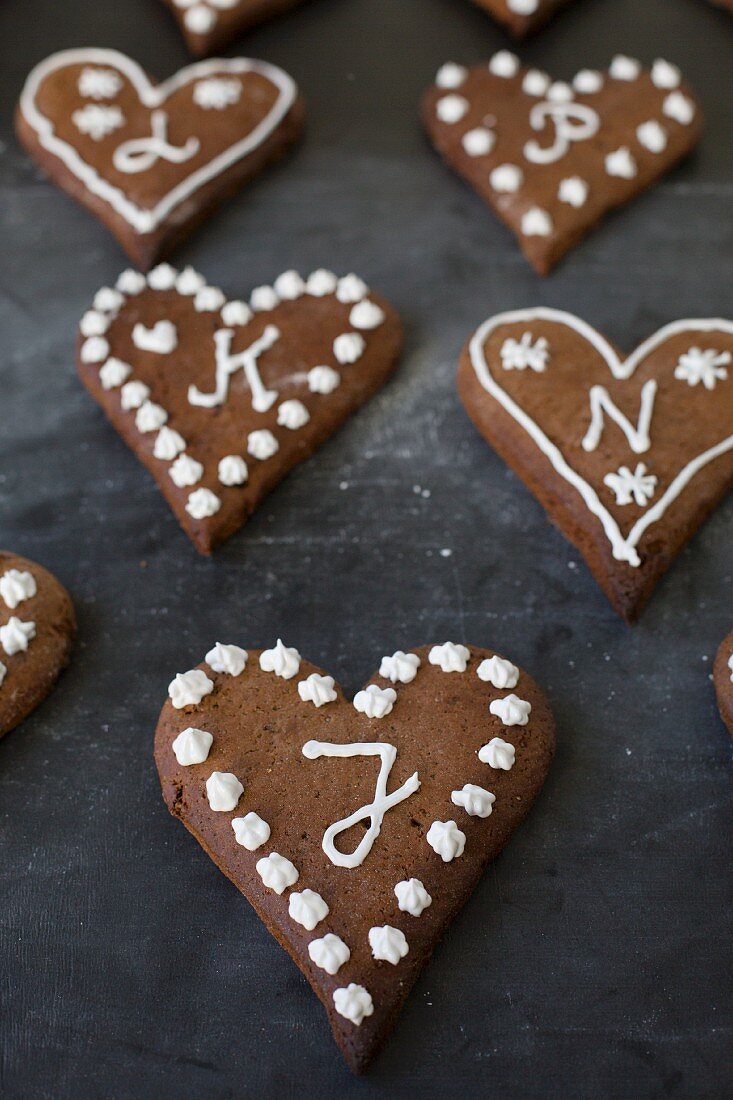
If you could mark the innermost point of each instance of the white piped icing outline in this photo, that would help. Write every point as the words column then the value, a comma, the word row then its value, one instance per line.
column 349, row 290
column 152, row 96
column 623, row 548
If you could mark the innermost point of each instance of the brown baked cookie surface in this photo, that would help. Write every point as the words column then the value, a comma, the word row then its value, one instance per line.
column 153, row 160
column 37, row 628
column 221, row 398
column 210, row 25
column 522, row 17
column 723, row 680
column 627, row 456
column 552, row 159
column 356, row 830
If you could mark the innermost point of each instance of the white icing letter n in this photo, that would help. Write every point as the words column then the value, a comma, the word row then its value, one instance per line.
column 228, row 364
column 601, row 402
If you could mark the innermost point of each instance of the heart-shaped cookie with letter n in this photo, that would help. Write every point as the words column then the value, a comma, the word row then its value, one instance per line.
column 551, row 158
column 628, row 456
column 356, row 830
column 723, row 680
column 152, row 160
column 37, row 628
column 221, row 398
column 522, row 17
column 210, row 25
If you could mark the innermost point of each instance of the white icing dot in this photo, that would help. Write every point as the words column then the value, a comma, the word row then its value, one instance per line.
column 400, row 667
column 652, row 136
column 412, row 897
column 133, row 395
column 349, row 347
column 476, row 801
column 536, row 223
column 317, row 689
column 185, row 471
column 263, row 298
column 588, row 82
column 189, row 281
column 3, row 672
column 353, row 1002
column 506, row 178
column 162, row 277
column 307, row 908
column 113, row 373
column 624, row 68
column 94, row 350
column 16, row 635
column 523, row 7
column 150, row 417
column 289, row 286
column 209, row 299
column 216, row 93
column 449, row 657
column 236, row 313
column 504, row 64
column 366, row 315
column 107, row 300
column 665, row 75
column 233, row 470
column 262, row 444
column 375, row 702
column 512, row 710
column 351, row 289
column 451, row 108
column 292, row 414
column 230, row 659
column 478, row 142
column 276, row 872
column 446, row 840
column 620, row 163
column 192, row 746
column 223, row 790
column 250, row 831
column 284, row 661
column 573, row 191
column 162, row 338
column 388, row 944
column 168, row 445
column 559, row 92
column 323, row 379
column 202, row 504
column 450, row 75
column 188, row 688
column 329, row 953
column 535, row 83
column 498, row 754
column 495, row 670
column 321, row 282
column 131, row 282
column 93, row 323
column 17, row 586
column 679, row 108
column 199, row 19
column 99, row 83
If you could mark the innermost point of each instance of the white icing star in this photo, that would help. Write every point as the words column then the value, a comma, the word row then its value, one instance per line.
column 388, row 944
column 351, row 289
column 276, row 872
column 511, row 710
column 679, row 108
column 289, row 286
column 504, row 64
column 412, row 897
column 498, row 754
column 705, row 366
column 223, row 790
column 366, row 315
column 506, row 178
column 573, row 191
column 321, row 282
column 307, row 908
column 652, row 136
column 192, row 746
column 16, row 586
column 475, row 800
column 353, row 1002
column 317, row 689
column 189, row 688
column 250, row 831
column 495, row 670
column 98, row 122
column 131, row 282
column 216, row 93
column 523, row 353
column 478, row 142
column 446, row 839
column 99, row 83
column 400, row 667
column 638, row 486
column 624, row 68
column 375, row 702
column 209, row 299
column 329, row 953
column 227, row 658
column 150, row 417
column 449, row 657
column 284, row 661
column 236, row 313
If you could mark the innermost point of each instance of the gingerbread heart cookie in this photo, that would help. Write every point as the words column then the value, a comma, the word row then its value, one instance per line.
column 628, row 456
column 723, row 680
column 551, row 159
column 522, row 17
column 152, row 160
column 220, row 399
column 357, row 831
column 210, row 25
column 37, row 628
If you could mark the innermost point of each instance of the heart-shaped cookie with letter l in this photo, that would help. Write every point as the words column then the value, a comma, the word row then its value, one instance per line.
column 356, row 830
column 723, row 680
column 522, row 17
column 210, row 25
column 37, row 628
column 550, row 158
column 221, row 398
column 152, row 160
column 628, row 456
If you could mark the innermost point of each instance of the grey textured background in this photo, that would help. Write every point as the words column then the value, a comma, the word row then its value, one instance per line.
column 595, row 959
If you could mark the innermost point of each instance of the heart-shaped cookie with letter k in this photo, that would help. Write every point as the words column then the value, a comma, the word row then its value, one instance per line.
column 551, row 158
column 152, row 160
column 210, row 25
column 628, row 456
column 220, row 398
column 356, row 830
column 723, row 680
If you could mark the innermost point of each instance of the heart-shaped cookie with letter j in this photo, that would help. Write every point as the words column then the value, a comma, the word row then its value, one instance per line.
column 221, row 398
column 723, row 680
column 628, row 456
column 152, row 160
column 37, row 628
column 210, row 25
column 357, row 830
column 551, row 158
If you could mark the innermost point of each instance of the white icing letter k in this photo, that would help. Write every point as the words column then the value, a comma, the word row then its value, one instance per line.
column 228, row 364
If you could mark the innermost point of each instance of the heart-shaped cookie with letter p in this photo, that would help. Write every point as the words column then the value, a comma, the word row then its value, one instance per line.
column 152, row 160
column 723, row 680
column 522, row 17
column 210, row 25
column 37, row 628
column 356, row 830
column 221, row 398
column 628, row 456
column 550, row 158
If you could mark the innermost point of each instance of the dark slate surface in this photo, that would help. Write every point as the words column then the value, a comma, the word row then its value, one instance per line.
column 595, row 958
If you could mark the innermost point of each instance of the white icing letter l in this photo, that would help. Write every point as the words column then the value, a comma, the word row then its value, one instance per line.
column 638, row 437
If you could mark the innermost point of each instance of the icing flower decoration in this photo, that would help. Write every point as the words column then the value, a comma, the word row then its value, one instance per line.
column 400, row 667
column 353, row 1002
column 512, row 710
column 283, row 660
column 189, row 688
column 374, row 701
column 520, row 354
column 329, row 953
column 449, row 657
column 276, row 872
column 317, row 689
column 706, row 366
column 250, row 831
column 638, row 486
column 388, row 944
column 216, row 93
column 476, row 801
column 16, row 587
column 192, row 746
column 16, row 635
column 412, row 897
column 498, row 754
column 446, row 839
column 99, row 83
column 98, row 122
column 223, row 790
column 227, row 658
column 307, row 908
column 495, row 670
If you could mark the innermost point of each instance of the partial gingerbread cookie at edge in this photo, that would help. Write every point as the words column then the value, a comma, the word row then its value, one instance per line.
column 37, row 628
column 221, row 398
column 150, row 160
column 210, row 25
column 522, row 17
column 628, row 456
column 723, row 680
column 552, row 159
column 356, row 830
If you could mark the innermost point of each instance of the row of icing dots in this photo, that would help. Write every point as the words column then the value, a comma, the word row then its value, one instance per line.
column 16, row 586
